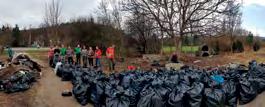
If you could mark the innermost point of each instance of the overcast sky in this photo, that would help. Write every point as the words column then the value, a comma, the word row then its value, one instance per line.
column 30, row 12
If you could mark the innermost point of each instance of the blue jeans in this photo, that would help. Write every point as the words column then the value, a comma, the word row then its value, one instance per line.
column 98, row 62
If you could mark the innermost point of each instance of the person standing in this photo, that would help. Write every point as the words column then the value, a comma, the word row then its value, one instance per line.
column 77, row 51
column 50, row 55
column 98, row 56
column 56, row 50
column 90, row 56
column 110, row 55
column 174, row 58
column 56, row 56
column 84, row 54
column 63, row 53
column 69, row 55
column 10, row 53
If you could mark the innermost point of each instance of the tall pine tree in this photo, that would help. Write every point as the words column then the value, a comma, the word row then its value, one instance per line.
column 250, row 39
column 16, row 36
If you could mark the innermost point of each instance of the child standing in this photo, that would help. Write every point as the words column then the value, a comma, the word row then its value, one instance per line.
column 84, row 56
column 69, row 55
column 78, row 54
column 98, row 56
column 90, row 56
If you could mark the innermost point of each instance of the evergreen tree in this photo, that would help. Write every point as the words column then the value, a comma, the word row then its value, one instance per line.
column 16, row 36
column 250, row 38
column 3, row 28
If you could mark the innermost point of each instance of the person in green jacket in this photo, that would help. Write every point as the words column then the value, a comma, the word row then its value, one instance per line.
column 63, row 53
column 77, row 51
column 10, row 53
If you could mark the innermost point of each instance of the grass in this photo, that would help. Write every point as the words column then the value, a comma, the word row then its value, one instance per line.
column 190, row 49
column 169, row 49
column 185, row 49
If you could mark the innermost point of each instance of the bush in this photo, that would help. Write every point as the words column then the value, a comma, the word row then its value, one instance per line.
column 238, row 46
column 256, row 46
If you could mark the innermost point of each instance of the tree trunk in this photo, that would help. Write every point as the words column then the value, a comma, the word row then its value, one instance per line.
column 231, row 41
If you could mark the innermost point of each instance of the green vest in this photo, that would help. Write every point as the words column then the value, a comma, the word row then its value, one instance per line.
column 77, row 50
column 63, row 51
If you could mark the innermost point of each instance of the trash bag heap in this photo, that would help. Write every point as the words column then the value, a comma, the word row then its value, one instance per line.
column 19, row 75
column 187, row 87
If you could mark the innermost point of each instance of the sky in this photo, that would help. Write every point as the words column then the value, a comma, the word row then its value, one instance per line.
column 30, row 12
column 254, row 16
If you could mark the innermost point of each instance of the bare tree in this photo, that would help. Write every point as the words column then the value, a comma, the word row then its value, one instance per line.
column 232, row 20
column 52, row 17
column 103, row 13
column 116, row 11
column 180, row 17
column 141, row 29
column 53, row 12
column 109, row 13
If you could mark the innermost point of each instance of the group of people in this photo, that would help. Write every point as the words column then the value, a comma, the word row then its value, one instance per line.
column 84, row 55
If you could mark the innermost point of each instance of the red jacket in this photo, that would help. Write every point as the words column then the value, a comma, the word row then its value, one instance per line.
column 51, row 52
column 98, row 53
column 110, row 52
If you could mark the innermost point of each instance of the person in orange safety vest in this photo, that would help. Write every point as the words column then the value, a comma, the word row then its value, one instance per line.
column 110, row 52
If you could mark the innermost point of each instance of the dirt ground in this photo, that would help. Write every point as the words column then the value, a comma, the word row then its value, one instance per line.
column 46, row 92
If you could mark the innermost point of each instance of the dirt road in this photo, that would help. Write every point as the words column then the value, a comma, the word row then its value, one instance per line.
column 46, row 92
column 49, row 89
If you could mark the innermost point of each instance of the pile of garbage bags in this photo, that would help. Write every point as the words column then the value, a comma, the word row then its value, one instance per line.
column 20, row 81
column 188, row 87
column 19, row 75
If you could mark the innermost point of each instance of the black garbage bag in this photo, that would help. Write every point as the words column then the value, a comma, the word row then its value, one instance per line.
column 133, row 96
column 206, row 80
column 59, row 71
column 126, row 81
column 150, row 100
column 252, row 65
column 214, row 98
column 119, row 101
column 77, row 80
column 196, row 76
column 247, row 91
column 230, row 89
column 98, row 91
column 257, row 83
column 67, row 74
column 139, row 83
column 154, row 95
column 20, row 81
column 177, row 96
column 16, row 87
column 195, row 95
column 117, row 97
column 257, row 71
column 184, row 78
column 81, row 93
column 172, row 81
